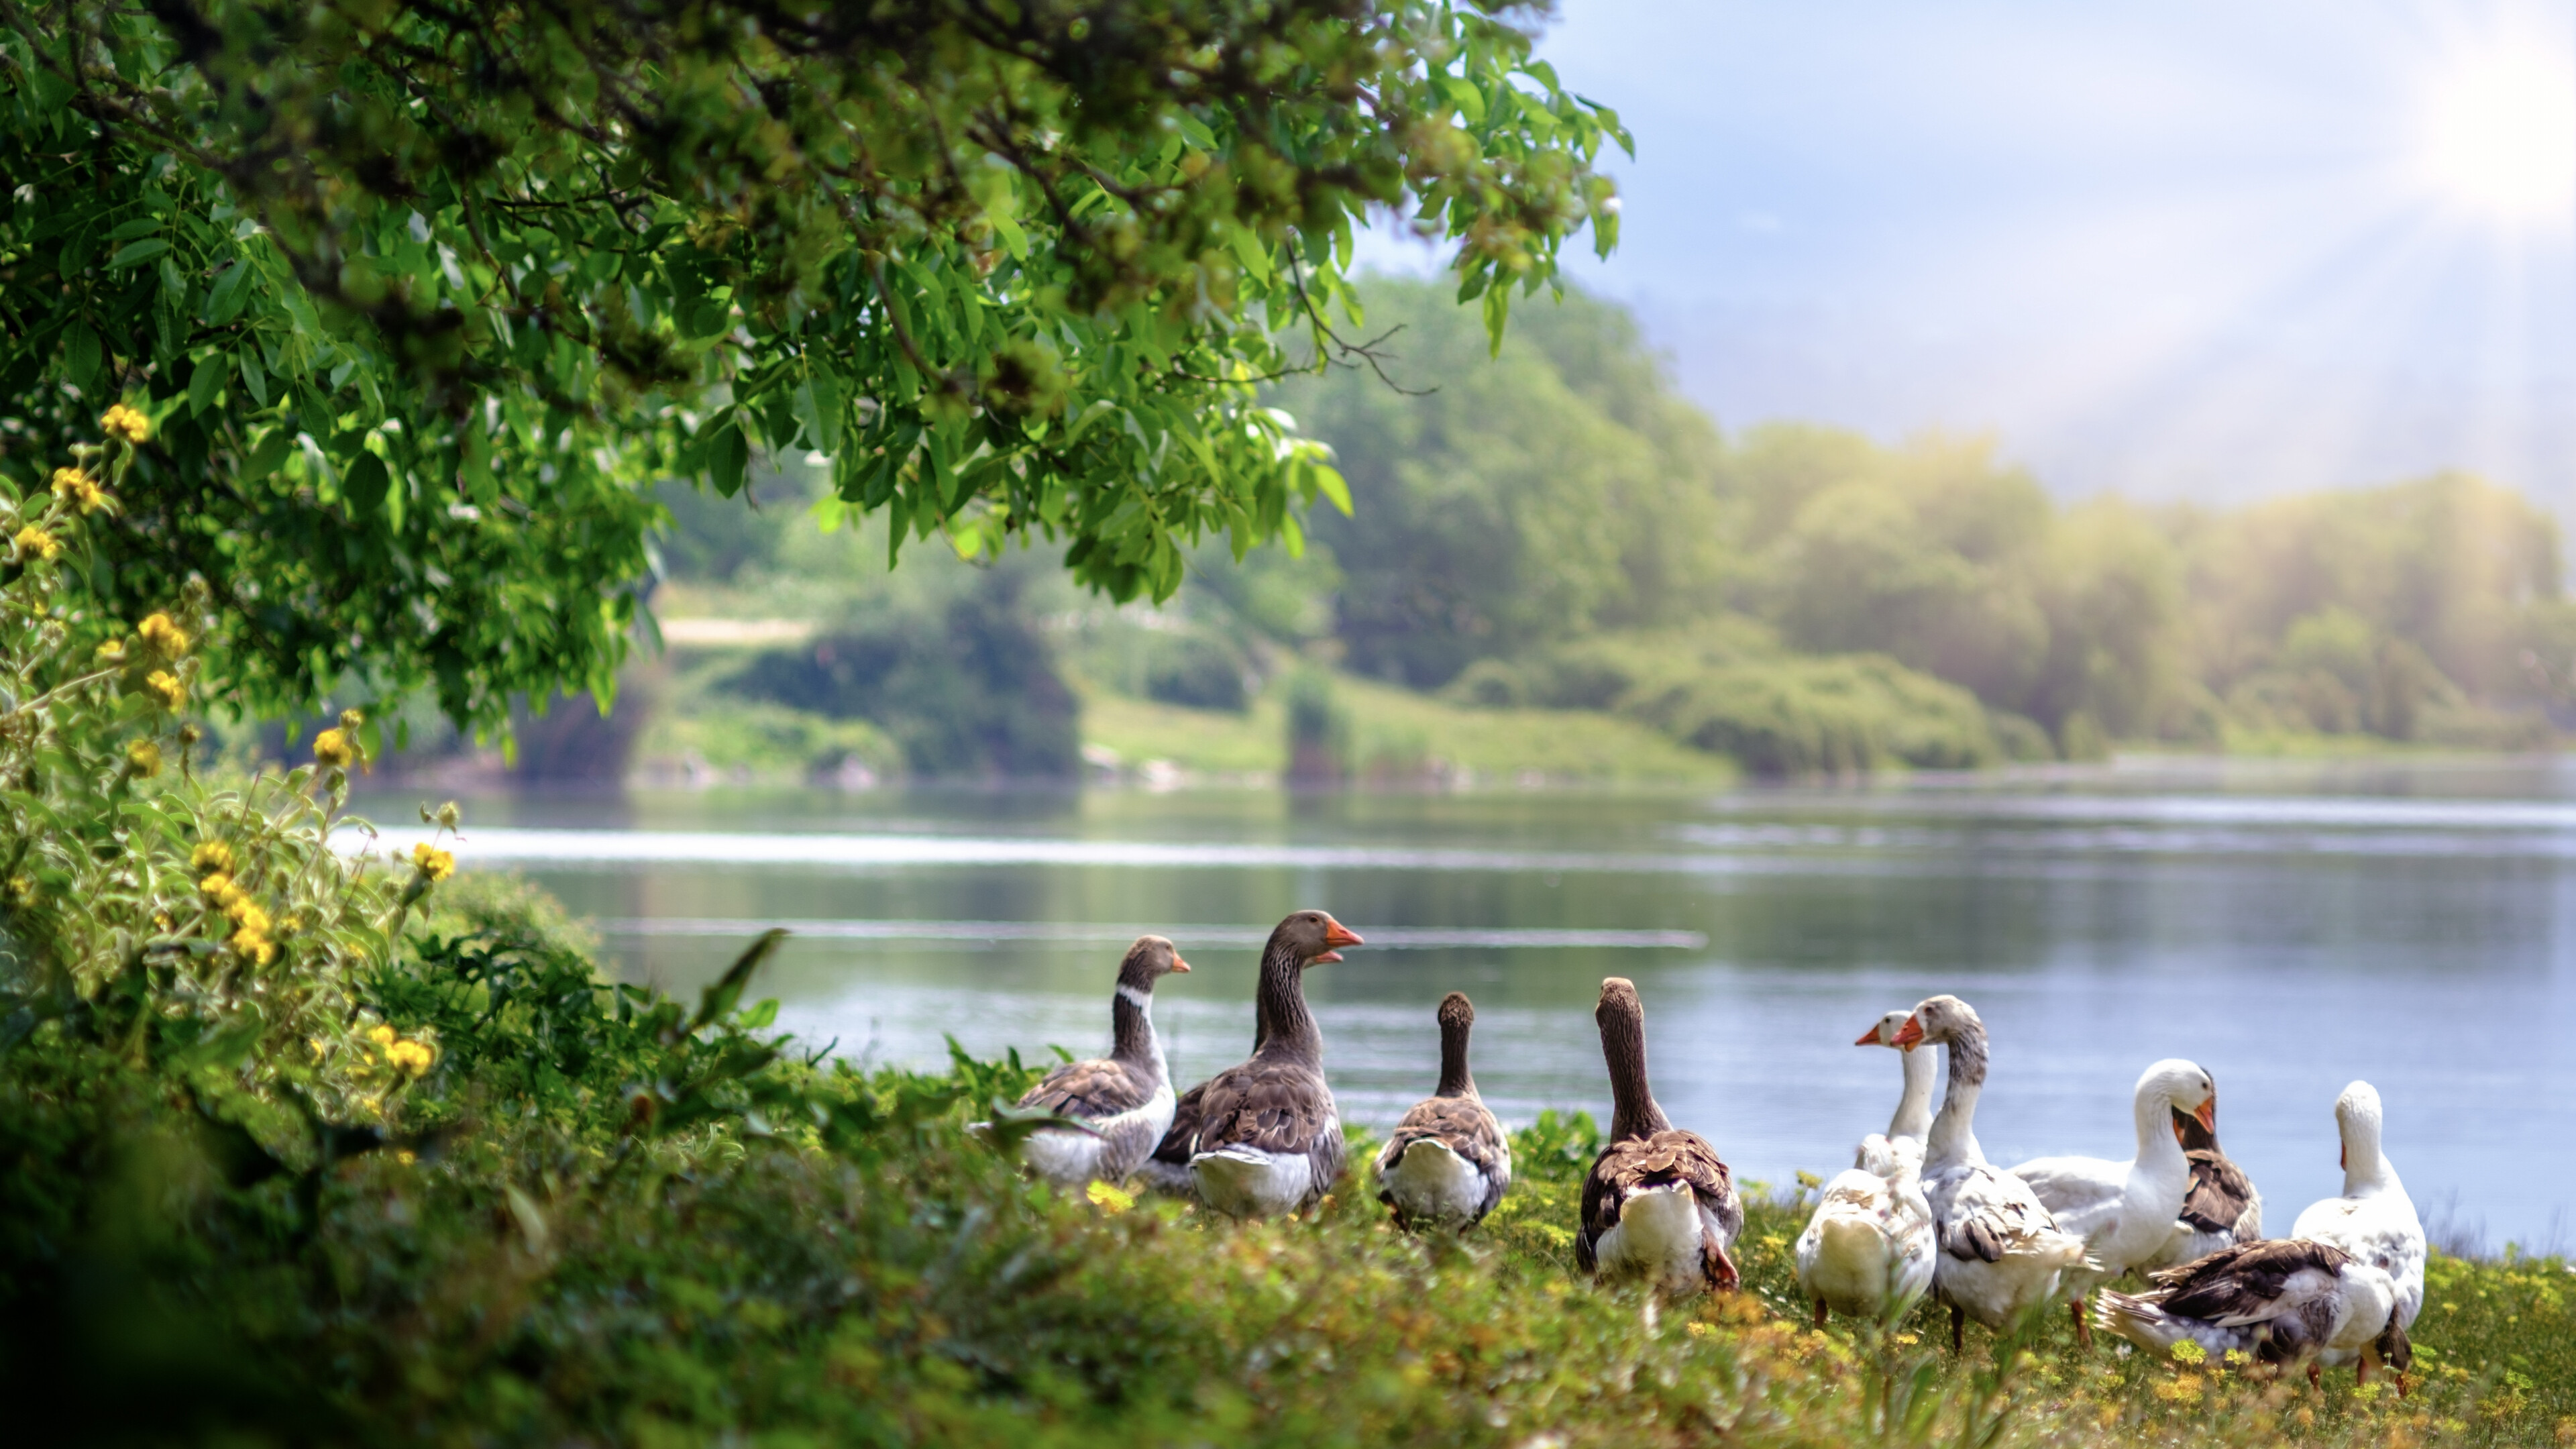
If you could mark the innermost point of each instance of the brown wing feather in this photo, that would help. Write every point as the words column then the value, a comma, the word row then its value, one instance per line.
column 1093, row 1089
column 1275, row 1106
column 2240, row 1283
column 2219, row 1192
column 1462, row 1123
column 1671, row 1155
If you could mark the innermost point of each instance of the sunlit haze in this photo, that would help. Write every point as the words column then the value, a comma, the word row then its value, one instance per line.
column 2181, row 248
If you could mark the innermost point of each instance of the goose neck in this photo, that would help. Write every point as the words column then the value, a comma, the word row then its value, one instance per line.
column 1455, row 1079
column 1131, row 1026
column 1914, row 1107
column 2158, row 1147
column 1953, row 1137
column 1633, row 1110
column 1282, row 1026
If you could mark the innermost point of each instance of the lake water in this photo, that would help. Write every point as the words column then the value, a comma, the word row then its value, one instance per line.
column 2291, row 928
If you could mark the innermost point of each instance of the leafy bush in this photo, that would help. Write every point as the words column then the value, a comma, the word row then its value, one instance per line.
column 973, row 690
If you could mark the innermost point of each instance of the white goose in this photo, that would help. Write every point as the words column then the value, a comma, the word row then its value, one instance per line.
column 1868, row 1251
column 2284, row 1303
column 2125, row 1211
column 2001, row 1253
column 2374, row 1220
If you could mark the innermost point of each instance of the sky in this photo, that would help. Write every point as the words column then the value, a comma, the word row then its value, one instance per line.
column 2173, row 248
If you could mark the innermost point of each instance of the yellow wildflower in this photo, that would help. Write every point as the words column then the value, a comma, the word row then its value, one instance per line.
column 143, row 758
column 257, row 947
column 381, row 1034
column 161, row 922
column 211, row 855
column 332, row 750
column 218, row 886
column 74, row 486
column 406, row 1157
column 112, row 652
column 1109, row 1199
column 449, row 815
column 22, row 891
column 2189, row 1352
column 164, row 686
column 350, row 719
column 34, row 542
column 433, row 862
column 165, row 636
column 413, row 1057
column 247, row 915
column 127, row 423
column 292, row 925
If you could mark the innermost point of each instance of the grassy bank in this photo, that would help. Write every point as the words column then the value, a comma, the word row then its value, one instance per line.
column 603, row 1216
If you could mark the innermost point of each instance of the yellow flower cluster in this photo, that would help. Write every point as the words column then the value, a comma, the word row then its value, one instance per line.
column 74, row 486
column 1108, row 1199
column 413, row 1058
column 143, row 758
column 168, row 638
column 124, row 422
column 34, row 542
column 164, row 686
column 251, row 926
column 433, row 862
column 332, row 750
column 112, row 652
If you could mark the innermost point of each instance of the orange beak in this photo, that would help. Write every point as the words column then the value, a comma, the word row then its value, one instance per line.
column 1910, row 1035
column 1336, row 936
column 1868, row 1038
column 2177, row 1127
column 1180, row 966
column 2207, row 1112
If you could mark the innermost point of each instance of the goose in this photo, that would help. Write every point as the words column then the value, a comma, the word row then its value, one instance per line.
column 1904, row 1135
column 2220, row 1210
column 1126, row 1096
column 1263, row 1137
column 1448, row 1163
column 2374, row 1220
column 2286, row 1302
column 1868, row 1249
column 1658, row 1204
column 2001, row 1253
column 2125, row 1211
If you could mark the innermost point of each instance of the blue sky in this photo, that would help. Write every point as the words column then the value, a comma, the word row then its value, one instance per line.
column 2170, row 247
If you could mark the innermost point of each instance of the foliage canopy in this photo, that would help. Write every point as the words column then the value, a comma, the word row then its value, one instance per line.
column 422, row 299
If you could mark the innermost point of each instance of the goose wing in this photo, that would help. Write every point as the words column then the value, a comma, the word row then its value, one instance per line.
column 1091, row 1090
column 2221, row 1196
column 2251, row 1283
column 1990, row 1214
column 1631, row 1164
column 1274, row 1106
column 1169, row 1162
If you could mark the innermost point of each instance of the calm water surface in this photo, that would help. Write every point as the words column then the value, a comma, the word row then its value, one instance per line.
column 2290, row 928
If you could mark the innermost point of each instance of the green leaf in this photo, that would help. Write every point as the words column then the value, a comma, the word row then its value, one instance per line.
column 272, row 450
column 224, row 300
column 720, row 996
column 254, row 376
column 82, row 353
column 728, row 458
column 136, row 253
column 365, row 484
column 206, row 384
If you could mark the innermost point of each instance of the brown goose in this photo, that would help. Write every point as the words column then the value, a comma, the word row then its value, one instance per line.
column 1658, row 1203
column 2221, row 1209
column 1448, row 1162
column 2285, row 1302
column 1126, row 1096
column 1265, row 1138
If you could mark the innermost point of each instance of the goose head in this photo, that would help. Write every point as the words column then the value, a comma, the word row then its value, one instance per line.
column 2183, row 1087
column 1150, row 960
column 1314, row 937
column 1938, row 1019
column 1885, row 1030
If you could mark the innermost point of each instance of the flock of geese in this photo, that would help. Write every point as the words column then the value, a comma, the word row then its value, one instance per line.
column 1921, row 1210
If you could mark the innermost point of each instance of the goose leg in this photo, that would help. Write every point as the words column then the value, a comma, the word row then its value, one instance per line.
column 1958, row 1329
column 1820, row 1313
column 2316, row 1379
column 2361, row 1369
column 2083, row 1329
